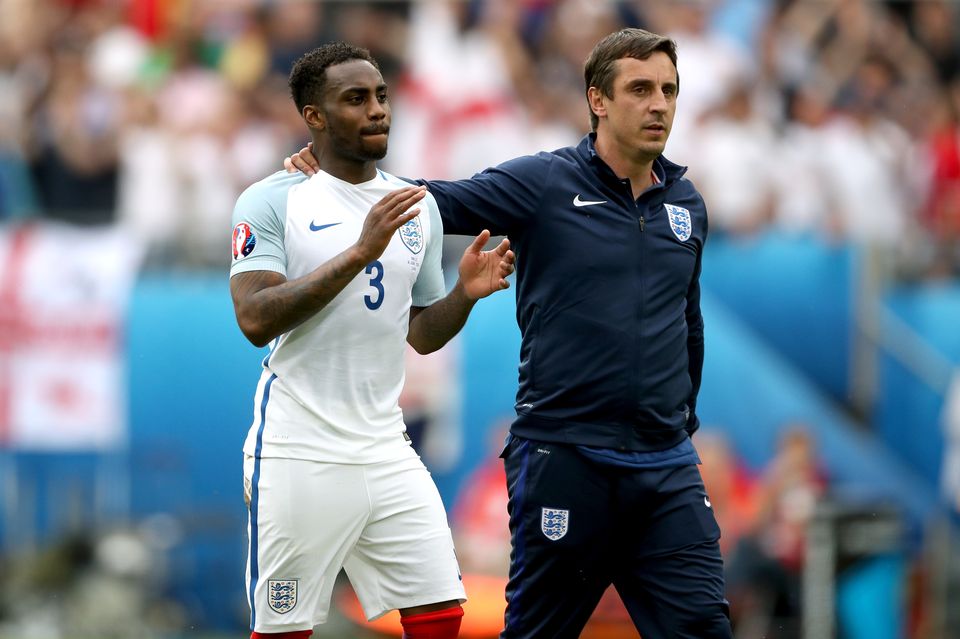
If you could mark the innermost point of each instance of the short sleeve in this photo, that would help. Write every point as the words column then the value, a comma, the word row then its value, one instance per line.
column 259, row 218
column 429, row 287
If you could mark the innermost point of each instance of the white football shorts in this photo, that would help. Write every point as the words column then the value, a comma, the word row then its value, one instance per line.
column 383, row 523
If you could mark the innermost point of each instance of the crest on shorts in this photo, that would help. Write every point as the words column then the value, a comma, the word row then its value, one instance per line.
column 679, row 221
column 553, row 522
column 244, row 240
column 411, row 234
column 282, row 594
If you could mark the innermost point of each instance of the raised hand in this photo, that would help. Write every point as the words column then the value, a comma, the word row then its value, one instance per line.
column 485, row 272
column 393, row 211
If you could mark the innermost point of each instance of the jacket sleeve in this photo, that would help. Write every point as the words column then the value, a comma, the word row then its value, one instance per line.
column 502, row 199
column 695, row 349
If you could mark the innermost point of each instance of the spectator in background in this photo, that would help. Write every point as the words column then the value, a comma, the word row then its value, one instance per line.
column 731, row 489
column 16, row 192
column 709, row 64
column 764, row 571
column 462, row 100
column 73, row 142
column 735, row 163
column 560, row 38
column 934, row 25
column 941, row 213
column 787, row 496
column 870, row 160
column 187, row 109
column 291, row 28
column 803, row 201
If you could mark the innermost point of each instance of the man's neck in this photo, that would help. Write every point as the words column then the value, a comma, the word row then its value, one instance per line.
column 637, row 169
column 346, row 169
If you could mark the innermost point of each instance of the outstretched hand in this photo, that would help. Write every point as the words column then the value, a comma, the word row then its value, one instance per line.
column 303, row 161
column 485, row 272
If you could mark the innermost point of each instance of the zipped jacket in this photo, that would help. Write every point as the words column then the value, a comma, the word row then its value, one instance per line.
column 608, row 294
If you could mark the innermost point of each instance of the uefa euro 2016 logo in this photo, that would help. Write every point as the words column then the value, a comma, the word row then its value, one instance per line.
column 243, row 240
column 282, row 594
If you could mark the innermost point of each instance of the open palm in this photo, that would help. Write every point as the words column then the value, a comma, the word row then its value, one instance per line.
column 485, row 272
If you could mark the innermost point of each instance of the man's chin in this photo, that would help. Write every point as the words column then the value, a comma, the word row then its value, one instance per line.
column 375, row 151
column 652, row 149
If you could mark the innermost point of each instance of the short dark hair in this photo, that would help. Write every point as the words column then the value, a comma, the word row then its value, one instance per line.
column 308, row 78
column 600, row 68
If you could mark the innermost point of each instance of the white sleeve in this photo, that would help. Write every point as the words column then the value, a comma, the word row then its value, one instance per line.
column 429, row 287
column 259, row 218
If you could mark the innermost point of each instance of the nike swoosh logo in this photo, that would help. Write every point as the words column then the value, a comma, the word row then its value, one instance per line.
column 578, row 202
column 314, row 227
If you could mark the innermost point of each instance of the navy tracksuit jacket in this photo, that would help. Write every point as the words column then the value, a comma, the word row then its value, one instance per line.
column 608, row 294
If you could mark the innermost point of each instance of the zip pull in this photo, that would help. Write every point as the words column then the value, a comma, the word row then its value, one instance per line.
column 641, row 224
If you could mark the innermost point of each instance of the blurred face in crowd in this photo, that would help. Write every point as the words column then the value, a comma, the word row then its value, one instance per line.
column 355, row 114
column 638, row 116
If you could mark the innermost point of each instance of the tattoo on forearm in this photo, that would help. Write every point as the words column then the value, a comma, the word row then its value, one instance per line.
column 273, row 305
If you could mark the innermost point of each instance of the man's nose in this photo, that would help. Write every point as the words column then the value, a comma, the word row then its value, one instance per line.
column 377, row 111
column 658, row 101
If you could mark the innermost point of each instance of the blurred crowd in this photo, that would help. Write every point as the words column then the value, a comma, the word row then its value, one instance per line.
column 834, row 119
column 839, row 118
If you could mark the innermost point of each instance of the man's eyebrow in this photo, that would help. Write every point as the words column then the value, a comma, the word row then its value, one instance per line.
column 648, row 82
column 363, row 89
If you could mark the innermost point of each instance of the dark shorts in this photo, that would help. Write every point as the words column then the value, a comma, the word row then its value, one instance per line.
column 577, row 526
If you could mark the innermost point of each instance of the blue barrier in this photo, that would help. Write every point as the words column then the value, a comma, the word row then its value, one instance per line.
column 908, row 409
column 752, row 394
column 795, row 293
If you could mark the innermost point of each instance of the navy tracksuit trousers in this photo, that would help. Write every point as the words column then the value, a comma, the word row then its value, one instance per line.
column 577, row 526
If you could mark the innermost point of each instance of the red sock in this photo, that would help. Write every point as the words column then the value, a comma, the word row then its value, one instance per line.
column 440, row 624
column 296, row 634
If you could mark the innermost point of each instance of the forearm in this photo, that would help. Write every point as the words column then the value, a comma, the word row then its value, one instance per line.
column 435, row 325
column 271, row 311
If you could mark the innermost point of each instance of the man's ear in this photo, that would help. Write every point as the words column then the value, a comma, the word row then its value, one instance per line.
column 597, row 101
column 314, row 118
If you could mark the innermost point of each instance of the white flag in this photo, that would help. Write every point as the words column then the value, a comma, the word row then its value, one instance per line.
column 64, row 293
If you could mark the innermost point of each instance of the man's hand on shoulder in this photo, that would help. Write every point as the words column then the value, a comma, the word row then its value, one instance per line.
column 302, row 161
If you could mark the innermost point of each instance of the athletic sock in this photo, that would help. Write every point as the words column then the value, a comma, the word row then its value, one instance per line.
column 296, row 634
column 440, row 624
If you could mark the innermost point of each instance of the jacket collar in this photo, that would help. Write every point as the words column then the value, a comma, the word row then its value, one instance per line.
column 667, row 171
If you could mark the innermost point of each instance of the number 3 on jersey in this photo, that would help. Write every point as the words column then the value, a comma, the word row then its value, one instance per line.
column 375, row 268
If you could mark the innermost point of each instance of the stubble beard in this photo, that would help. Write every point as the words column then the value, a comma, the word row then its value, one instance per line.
column 357, row 148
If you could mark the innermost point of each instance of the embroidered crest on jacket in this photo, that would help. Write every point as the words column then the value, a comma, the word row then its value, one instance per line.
column 679, row 221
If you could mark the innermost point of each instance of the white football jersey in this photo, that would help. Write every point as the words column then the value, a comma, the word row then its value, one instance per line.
column 329, row 387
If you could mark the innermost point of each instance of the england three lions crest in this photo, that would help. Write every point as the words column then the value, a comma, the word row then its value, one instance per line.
column 554, row 522
column 679, row 221
column 411, row 234
column 282, row 595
